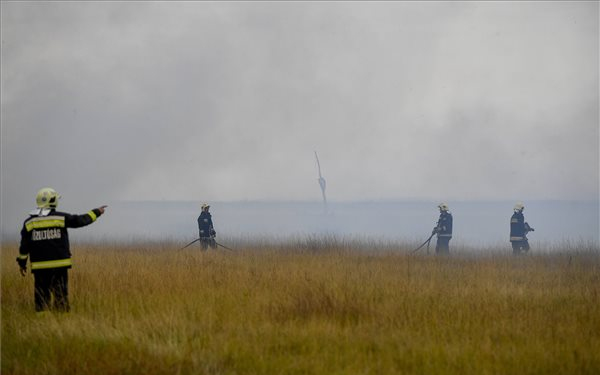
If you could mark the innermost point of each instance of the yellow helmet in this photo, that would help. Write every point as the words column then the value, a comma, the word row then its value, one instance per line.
column 443, row 206
column 519, row 206
column 47, row 198
column 205, row 206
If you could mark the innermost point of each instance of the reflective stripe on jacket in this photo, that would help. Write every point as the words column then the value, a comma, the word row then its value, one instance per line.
column 444, row 224
column 45, row 240
column 517, row 227
column 205, row 224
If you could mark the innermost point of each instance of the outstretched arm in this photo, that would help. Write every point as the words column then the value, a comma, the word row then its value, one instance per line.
column 77, row 221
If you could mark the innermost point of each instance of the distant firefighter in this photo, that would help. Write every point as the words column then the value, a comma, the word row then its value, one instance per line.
column 443, row 229
column 45, row 241
column 518, row 230
column 206, row 229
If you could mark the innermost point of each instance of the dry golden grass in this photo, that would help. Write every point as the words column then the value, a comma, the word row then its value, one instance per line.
column 317, row 309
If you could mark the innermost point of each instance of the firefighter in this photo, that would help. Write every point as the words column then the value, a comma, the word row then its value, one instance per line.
column 518, row 230
column 206, row 229
column 45, row 242
column 443, row 229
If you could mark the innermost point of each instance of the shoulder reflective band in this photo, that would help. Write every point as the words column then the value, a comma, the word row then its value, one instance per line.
column 51, row 264
column 92, row 215
column 21, row 256
column 45, row 222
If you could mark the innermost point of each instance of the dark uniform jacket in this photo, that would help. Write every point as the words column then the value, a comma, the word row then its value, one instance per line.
column 205, row 224
column 444, row 225
column 518, row 227
column 45, row 239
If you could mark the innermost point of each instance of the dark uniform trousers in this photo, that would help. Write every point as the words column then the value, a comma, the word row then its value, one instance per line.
column 442, row 245
column 51, row 282
column 520, row 246
column 206, row 242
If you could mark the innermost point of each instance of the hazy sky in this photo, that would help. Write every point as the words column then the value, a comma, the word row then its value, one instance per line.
column 210, row 101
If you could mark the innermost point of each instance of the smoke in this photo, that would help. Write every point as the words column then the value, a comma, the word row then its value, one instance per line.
column 227, row 101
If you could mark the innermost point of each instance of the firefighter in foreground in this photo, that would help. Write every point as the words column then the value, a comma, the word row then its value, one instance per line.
column 518, row 230
column 45, row 241
column 443, row 229
column 206, row 229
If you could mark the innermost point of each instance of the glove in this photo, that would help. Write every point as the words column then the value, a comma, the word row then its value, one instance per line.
column 22, row 266
column 213, row 233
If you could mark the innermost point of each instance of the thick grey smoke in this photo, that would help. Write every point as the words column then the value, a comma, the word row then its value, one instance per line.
column 110, row 101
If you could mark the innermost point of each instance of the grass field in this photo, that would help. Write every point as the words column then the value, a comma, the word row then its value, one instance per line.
column 307, row 309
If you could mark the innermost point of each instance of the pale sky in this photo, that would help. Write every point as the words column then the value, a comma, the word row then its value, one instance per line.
column 206, row 101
